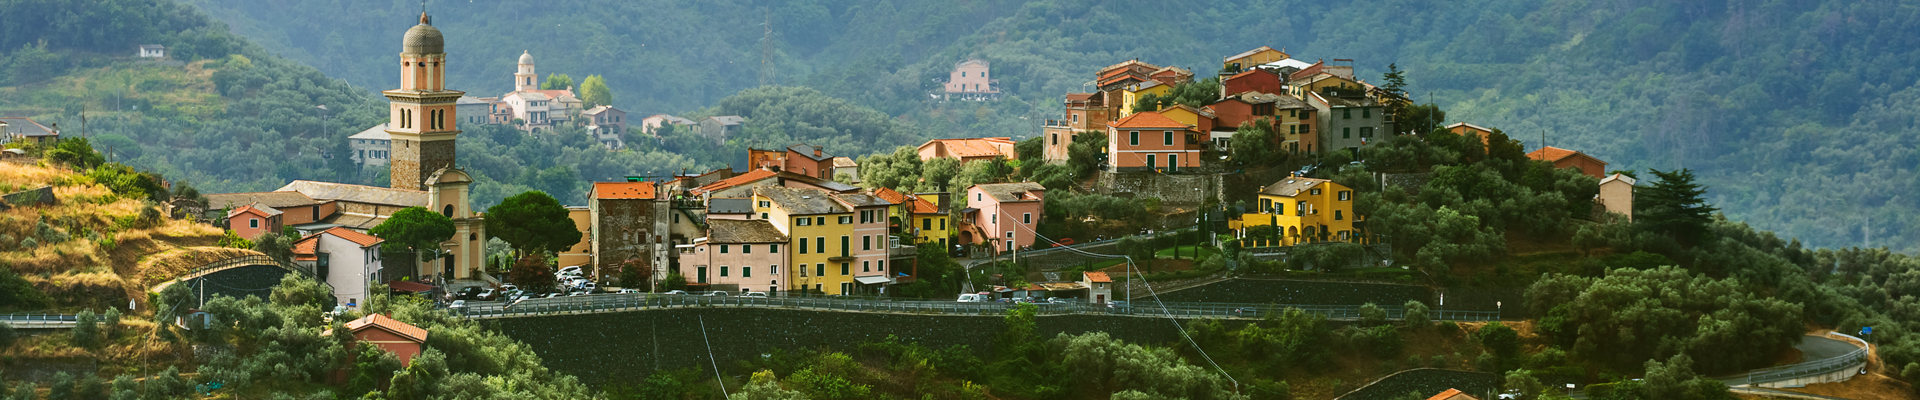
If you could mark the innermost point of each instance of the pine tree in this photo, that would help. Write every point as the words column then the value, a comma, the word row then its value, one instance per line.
column 1675, row 206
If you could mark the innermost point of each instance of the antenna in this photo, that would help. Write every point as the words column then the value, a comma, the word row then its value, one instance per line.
column 766, row 50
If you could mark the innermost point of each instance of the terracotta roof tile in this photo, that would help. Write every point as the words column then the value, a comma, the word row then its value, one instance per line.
column 1292, row 186
column 1098, row 277
column 270, row 199
column 623, row 190
column 736, row 180
column 890, row 195
column 354, row 236
column 743, row 231
column 978, row 147
column 390, row 325
column 259, row 209
column 306, row 248
column 1149, row 119
column 1555, row 154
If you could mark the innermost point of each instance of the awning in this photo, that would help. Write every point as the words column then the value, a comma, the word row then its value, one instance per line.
column 871, row 280
column 410, row 286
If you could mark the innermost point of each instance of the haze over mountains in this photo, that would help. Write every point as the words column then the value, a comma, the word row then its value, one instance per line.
column 1800, row 116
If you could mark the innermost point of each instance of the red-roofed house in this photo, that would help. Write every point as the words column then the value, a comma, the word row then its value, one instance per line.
column 1086, row 113
column 1452, row 394
column 1099, row 286
column 1254, row 80
column 252, row 220
column 402, row 339
column 1149, row 141
column 1563, row 158
column 969, row 150
column 346, row 259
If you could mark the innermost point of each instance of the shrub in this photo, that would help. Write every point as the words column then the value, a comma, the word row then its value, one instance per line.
column 1371, row 315
column 1449, row 327
column 110, row 323
column 7, row 336
column 1486, row 362
column 1416, row 315
column 1499, row 339
column 1440, row 361
column 86, row 330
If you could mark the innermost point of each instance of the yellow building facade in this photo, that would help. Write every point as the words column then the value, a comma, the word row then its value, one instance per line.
column 1305, row 210
column 1132, row 94
column 929, row 221
column 820, row 231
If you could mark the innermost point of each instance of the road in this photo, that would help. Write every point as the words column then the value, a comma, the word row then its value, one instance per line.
column 1812, row 348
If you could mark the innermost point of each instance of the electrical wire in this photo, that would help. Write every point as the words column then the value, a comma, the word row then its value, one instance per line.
column 711, row 359
column 1132, row 270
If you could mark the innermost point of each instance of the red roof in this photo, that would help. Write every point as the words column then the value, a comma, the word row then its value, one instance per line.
column 1079, row 96
column 1148, row 119
column 981, row 147
column 1555, row 154
column 306, row 248
column 1098, row 277
column 390, row 325
column 736, row 180
column 1450, row 394
column 623, row 190
column 1308, row 71
column 1251, row 72
column 890, row 195
column 350, row 235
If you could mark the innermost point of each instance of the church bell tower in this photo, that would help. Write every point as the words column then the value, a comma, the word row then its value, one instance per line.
column 524, row 79
column 422, row 120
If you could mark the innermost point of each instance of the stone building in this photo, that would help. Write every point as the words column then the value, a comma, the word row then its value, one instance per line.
column 628, row 224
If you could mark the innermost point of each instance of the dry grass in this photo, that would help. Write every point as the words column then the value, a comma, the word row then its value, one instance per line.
column 171, row 263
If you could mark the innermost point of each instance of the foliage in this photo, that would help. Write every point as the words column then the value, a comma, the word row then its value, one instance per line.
column 557, row 82
column 414, row 229
column 1674, row 206
column 15, row 291
column 594, row 92
column 1522, row 382
column 1630, row 316
column 276, row 244
column 1372, row 315
column 674, row 281
column 1256, row 143
column 86, row 330
column 1499, row 339
column 532, row 222
column 766, row 386
column 7, row 336
column 532, row 273
column 1416, row 315
column 1099, row 364
column 77, row 153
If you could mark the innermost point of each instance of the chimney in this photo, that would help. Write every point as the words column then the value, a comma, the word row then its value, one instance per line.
column 816, row 151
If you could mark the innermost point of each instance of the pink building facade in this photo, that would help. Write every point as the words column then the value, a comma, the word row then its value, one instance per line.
column 737, row 256
column 1002, row 215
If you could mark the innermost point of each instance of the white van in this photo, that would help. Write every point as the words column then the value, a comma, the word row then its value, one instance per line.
column 972, row 298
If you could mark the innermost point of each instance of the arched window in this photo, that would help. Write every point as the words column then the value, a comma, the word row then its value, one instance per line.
column 447, row 211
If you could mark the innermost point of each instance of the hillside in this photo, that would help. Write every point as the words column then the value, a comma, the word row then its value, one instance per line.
column 1702, row 85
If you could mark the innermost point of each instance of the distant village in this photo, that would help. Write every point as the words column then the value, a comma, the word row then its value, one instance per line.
column 784, row 224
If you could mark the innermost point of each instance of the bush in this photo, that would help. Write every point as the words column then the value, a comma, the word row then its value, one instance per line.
column 1440, row 361
column 110, row 323
column 1486, row 362
column 1270, row 390
column 1449, row 327
column 1499, row 339
column 7, row 336
column 86, row 330
column 1371, row 315
column 1417, row 315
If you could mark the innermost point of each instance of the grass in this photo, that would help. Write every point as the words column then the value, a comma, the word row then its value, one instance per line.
column 98, row 262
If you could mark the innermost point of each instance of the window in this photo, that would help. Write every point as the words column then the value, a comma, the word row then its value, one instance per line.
column 1304, row 128
column 1133, row 138
column 845, row 269
column 1366, row 132
column 993, row 218
column 1366, row 113
column 881, row 265
column 1026, row 218
column 1168, row 138
column 723, row 271
column 822, row 221
column 723, row 250
column 1299, row 208
column 846, row 219
column 803, row 245
column 866, row 242
column 1266, row 205
column 775, row 269
column 845, row 245
column 1306, row 115
column 253, row 222
column 1173, row 161
column 763, row 204
column 1346, row 195
column 1150, row 163
column 1337, row 216
column 943, row 224
column 1346, row 133
column 703, row 274
column 819, row 270
column 1009, row 234
column 866, row 266
column 763, row 215
column 746, row 249
column 1056, row 139
column 1009, row 245
column 773, row 248
column 746, row 272
column 963, row 74
column 803, row 221
column 926, row 224
column 820, row 244
column 1346, row 113
column 1315, row 192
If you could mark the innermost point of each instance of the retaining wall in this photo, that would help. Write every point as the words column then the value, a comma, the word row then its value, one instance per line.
column 1835, row 376
column 628, row 346
column 29, row 197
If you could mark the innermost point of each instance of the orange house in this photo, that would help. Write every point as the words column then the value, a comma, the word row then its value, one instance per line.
column 402, row 339
column 1464, row 129
column 1563, row 158
column 252, row 220
column 1150, row 141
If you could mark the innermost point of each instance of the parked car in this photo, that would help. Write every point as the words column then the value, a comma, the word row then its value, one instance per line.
column 573, row 270
column 719, row 293
column 551, row 295
column 629, row 291
column 676, row 292
column 757, row 295
column 458, row 304
column 467, row 293
column 508, row 287
column 972, row 298
column 488, row 294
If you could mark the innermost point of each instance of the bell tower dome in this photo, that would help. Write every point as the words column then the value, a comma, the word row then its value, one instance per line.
column 421, row 112
column 524, row 79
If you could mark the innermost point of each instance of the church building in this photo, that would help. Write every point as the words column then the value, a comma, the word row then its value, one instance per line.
column 537, row 110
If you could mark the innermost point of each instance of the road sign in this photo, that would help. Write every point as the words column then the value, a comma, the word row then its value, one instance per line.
column 1866, row 330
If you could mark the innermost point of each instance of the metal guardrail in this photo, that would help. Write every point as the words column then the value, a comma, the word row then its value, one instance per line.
column 646, row 301
column 39, row 321
column 1812, row 368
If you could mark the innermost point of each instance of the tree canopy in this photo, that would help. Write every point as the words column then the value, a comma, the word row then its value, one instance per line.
column 415, row 229
column 532, row 222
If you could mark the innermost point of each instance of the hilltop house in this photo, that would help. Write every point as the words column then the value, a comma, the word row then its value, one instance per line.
column 252, row 220
column 652, row 123
column 1303, row 210
column 294, row 209
column 1085, row 113
column 813, row 218
column 1464, row 129
column 403, row 340
column 152, row 51
column 721, row 127
column 1563, row 158
column 1099, row 286
column 1348, row 120
column 1249, row 59
column 1616, row 195
column 606, row 124
column 369, row 147
column 1292, row 119
column 627, row 224
column 968, row 150
column 969, row 81
column 25, row 130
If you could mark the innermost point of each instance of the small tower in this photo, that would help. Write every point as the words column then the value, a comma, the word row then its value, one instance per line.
column 525, row 80
column 422, row 120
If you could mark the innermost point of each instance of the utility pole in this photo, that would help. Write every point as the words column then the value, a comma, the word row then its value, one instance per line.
column 767, row 76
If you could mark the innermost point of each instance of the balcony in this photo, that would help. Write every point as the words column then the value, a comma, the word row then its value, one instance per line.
column 903, row 252
column 840, row 258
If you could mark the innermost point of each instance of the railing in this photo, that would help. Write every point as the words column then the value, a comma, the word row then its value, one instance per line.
column 647, row 301
column 903, row 251
column 1811, row 368
column 39, row 321
column 242, row 261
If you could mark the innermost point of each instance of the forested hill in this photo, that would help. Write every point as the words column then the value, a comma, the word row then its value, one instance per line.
column 1800, row 115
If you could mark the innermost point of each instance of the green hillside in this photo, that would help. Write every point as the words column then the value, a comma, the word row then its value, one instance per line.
column 1757, row 97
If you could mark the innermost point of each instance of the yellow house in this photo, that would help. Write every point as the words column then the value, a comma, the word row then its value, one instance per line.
column 929, row 220
column 581, row 253
column 1132, row 94
column 1251, row 58
column 1305, row 210
column 1319, row 82
column 820, row 229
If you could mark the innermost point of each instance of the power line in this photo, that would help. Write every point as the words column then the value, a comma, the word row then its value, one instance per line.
column 710, row 359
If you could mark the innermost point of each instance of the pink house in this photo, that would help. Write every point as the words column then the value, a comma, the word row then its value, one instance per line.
column 736, row 255
column 970, row 76
column 1002, row 215
column 869, row 245
column 252, row 220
